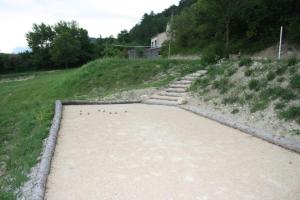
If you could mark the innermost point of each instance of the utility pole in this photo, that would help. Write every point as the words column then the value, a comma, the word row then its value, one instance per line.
column 171, row 35
column 280, row 43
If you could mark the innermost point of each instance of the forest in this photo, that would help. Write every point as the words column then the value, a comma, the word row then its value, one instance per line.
column 213, row 28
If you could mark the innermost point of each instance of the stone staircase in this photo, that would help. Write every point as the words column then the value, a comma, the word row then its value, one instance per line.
column 175, row 93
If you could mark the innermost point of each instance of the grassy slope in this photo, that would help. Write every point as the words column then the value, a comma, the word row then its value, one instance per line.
column 254, row 84
column 26, row 107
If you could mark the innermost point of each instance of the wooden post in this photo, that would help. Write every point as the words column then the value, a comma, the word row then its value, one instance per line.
column 280, row 43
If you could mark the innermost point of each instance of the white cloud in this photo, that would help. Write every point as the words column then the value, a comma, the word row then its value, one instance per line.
column 105, row 17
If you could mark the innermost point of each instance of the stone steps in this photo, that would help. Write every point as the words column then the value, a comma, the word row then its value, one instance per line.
column 176, row 90
column 161, row 97
column 183, row 82
column 161, row 102
column 175, row 93
column 178, row 86
column 172, row 94
column 187, row 78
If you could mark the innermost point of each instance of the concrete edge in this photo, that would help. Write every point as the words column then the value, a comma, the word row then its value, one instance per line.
column 39, row 187
column 287, row 143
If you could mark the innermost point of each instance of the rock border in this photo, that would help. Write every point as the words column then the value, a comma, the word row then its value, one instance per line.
column 40, row 180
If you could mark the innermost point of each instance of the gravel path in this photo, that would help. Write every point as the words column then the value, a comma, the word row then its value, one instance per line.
column 157, row 152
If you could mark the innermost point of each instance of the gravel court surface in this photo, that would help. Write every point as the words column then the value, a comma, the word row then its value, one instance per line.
column 141, row 151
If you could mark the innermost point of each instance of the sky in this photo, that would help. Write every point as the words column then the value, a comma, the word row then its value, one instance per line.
column 99, row 17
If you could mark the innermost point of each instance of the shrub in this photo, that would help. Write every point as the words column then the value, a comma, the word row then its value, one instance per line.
column 281, row 69
column 271, row 75
column 215, row 70
column 255, row 84
column 292, row 113
column 245, row 62
column 222, row 85
column 203, row 83
column 248, row 96
column 280, row 105
column 248, row 72
column 231, row 71
column 209, row 58
column 293, row 69
column 292, row 61
column 231, row 100
column 259, row 105
column 235, row 111
column 280, row 79
column 295, row 81
column 277, row 92
column 213, row 53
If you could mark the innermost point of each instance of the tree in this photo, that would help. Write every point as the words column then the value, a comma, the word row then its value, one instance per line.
column 71, row 44
column 124, row 37
column 222, row 13
column 40, row 41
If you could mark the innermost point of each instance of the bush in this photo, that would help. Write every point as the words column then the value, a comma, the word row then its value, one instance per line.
column 271, row 76
column 293, row 69
column 292, row 113
column 281, row 69
column 248, row 72
column 245, row 62
column 280, row 105
column 232, row 100
column 231, row 71
column 259, row 105
column 212, row 53
column 277, row 92
column 203, row 82
column 248, row 96
column 280, row 79
column 255, row 84
column 235, row 111
column 292, row 61
column 222, row 85
column 295, row 81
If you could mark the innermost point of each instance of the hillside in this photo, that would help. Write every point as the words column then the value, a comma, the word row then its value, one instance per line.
column 27, row 105
column 262, row 93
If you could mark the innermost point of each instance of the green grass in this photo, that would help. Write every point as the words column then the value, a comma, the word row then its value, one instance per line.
column 255, row 84
column 26, row 107
column 291, row 113
column 295, row 81
column 223, row 85
column 245, row 62
column 271, row 75
column 259, row 105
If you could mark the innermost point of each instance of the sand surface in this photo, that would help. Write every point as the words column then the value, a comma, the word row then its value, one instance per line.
column 137, row 152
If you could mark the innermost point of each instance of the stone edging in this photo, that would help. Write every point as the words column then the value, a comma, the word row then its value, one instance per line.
column 39, row 187
column 287, row 143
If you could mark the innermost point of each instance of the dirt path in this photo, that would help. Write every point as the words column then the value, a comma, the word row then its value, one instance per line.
column 158, row 152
